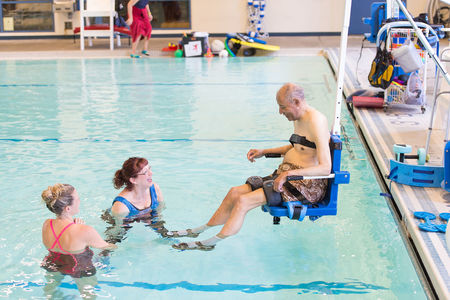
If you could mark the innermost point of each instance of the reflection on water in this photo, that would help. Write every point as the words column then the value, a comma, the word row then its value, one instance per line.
column 314, row 287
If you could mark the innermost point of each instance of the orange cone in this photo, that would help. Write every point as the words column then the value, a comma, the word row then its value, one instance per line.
column 209, row 53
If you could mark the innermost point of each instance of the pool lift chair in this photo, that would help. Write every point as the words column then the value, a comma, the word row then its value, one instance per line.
column 328, row 207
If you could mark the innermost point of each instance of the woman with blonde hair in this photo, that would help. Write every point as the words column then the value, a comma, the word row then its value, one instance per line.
column 68, row 240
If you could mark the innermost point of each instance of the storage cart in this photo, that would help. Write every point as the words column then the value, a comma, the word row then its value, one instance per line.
column 397, row 35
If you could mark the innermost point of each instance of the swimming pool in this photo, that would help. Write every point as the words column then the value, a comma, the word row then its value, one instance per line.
column 76, row 121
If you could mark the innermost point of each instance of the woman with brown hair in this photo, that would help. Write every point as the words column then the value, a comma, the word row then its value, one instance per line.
column 140, row 201
column 141, row 195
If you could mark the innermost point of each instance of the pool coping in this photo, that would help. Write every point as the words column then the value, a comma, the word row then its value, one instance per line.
column 405, row 124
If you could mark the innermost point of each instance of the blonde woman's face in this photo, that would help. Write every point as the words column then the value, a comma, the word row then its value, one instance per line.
column 75, row 207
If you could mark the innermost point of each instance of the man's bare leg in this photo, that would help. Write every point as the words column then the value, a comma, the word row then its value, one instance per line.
column 220, row 216
column 244, row 204
column 241, row 207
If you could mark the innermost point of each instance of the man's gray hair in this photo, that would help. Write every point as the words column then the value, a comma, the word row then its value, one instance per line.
column 291, row 91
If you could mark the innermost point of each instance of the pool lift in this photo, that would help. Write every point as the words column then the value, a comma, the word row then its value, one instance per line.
column 420, row 174
column 328, row 207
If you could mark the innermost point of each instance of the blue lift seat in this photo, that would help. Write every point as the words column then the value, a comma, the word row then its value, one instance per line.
column 328, row 207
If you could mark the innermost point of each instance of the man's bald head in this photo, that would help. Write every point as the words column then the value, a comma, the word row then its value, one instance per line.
column 290, row 91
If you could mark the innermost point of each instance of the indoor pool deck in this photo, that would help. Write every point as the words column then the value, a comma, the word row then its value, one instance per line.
column 400, row 124
column 407, row 125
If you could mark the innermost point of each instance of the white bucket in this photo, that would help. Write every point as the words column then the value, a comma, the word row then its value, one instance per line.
column 407, row 57
column 202, row 35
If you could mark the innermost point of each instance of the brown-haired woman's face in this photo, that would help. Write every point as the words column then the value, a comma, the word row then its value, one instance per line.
column 144, row 177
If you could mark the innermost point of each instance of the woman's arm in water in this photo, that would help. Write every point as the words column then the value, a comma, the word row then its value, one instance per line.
column 93, row 239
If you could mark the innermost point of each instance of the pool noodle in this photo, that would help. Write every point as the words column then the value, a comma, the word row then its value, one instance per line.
column 361, row 101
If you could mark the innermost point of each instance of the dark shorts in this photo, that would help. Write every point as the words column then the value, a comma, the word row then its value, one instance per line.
column 306, row 190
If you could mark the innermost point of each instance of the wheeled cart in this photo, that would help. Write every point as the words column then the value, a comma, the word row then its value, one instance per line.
column 398, row 34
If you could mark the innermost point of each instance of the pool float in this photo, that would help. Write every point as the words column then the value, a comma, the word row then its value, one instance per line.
column 237, row 40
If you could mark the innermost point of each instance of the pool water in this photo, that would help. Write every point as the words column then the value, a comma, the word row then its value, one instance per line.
column 76, row 121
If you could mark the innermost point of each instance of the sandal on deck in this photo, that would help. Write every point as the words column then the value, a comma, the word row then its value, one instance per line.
column 176, row 234
column 198, row 246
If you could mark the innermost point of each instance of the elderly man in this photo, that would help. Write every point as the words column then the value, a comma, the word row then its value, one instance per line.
column 308, row 155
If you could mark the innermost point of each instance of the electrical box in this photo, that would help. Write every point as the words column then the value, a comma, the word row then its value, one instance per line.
column 63, row 6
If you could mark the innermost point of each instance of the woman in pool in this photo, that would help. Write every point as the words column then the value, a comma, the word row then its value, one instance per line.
column 68, row 240
column 141, row 195
column 140, row 201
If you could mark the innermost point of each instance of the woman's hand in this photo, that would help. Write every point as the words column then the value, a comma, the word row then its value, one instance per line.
column 129, row 21
column 150, row 17
column 254, row 154
column 78, row 221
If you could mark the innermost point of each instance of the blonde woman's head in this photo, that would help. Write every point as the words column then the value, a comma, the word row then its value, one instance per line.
column 58, row 197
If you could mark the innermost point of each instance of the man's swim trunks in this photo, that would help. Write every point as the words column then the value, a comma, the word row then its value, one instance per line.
column 306, row 190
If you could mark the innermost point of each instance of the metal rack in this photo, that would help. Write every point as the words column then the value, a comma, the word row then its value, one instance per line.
column 396, row 38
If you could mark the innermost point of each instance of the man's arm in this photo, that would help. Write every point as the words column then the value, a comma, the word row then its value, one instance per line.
column 321, row 137
column 257, row 153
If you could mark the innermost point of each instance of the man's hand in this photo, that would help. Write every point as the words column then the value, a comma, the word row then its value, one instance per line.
column 279, row 181
column 254, row 154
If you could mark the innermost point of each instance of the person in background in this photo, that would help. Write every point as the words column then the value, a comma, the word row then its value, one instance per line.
column 139, row 18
